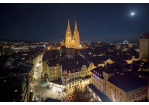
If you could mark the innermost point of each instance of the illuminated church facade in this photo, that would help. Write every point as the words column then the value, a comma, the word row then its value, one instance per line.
column 71, row 41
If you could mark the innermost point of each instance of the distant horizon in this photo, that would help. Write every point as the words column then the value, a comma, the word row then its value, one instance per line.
column 9, row 40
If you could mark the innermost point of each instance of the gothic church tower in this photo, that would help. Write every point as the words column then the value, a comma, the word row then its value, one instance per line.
column 71, row 41
column 68, row 37
column 76, row 37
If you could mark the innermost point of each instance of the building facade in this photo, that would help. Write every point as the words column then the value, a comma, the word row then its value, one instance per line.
column 144, row 47
column 54, row 72
column 122, row 90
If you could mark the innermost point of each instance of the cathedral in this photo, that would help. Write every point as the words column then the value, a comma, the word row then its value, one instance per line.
column 71, row 41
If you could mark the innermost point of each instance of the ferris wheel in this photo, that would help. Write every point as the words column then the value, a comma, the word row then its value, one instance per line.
column 125, row 42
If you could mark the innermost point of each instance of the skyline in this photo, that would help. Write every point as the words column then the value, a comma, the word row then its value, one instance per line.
column 95, row 22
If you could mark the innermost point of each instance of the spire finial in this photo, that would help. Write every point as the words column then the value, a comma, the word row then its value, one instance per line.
column 75, row 25
column 68, row 27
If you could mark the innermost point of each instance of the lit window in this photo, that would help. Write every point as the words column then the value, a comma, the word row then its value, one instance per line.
column 55, row 71
column 4, row 80
column 139, row 76
column 15, row 90
column 55, row 67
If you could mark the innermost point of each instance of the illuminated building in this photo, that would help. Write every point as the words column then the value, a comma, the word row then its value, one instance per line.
column 124, row 88
column 54, row 71
column 144, row 47
column 91, row 67
column 48, row 56
column 119, row 87
column 71, row 41
column 69, row 71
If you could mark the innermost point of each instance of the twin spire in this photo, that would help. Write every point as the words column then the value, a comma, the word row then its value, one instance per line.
column 68, row 27
column 75, row 25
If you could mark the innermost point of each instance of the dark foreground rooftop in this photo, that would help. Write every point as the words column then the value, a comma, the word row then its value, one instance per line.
column 52, row 100
column 127, row 82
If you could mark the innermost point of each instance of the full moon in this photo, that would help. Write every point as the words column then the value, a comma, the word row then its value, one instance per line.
column 132, row 13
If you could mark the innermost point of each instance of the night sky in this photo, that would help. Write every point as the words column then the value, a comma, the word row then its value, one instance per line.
column 96, row 22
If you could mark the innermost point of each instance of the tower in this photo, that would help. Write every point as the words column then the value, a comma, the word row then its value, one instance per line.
column 76, row 37
column 62, row 42
column 144, row 47
column 68, row 37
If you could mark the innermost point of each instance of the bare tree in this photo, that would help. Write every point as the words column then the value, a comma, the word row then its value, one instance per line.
column 80, row 95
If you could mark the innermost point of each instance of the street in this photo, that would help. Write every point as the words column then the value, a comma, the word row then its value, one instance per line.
column 42, row 90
